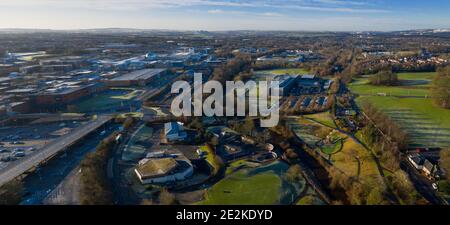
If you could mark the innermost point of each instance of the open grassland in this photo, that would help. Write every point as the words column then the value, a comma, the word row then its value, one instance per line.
column 323, row 118
column 354, row 160
column 426, row 124
column 264, row 185
column 411, row 84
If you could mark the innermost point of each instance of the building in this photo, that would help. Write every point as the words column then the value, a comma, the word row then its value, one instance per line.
column 174, row 131
column 428, row 168
column 416, row 160
column 163, row 168
column 65, row 94
column 286, row 83
column 136, row 78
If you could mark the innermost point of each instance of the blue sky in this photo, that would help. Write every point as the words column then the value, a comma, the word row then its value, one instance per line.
column 314, row 15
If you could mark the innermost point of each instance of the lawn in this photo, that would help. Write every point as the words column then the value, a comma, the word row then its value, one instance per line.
column 264, row 185
column 210, row 158
column 355, row 160
column 426, row 124
column 323, row 118
column 412, row 84
column 106, row 101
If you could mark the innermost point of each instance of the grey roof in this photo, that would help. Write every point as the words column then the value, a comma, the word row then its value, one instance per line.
column 139, row 74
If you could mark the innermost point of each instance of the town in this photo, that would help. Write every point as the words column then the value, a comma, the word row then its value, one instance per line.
column 359, row 122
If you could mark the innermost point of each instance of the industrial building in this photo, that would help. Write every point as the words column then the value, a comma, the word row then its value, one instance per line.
column 65, row 94
column 136, row 78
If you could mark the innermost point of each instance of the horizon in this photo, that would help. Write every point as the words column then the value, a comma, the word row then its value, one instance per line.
column 226, row 15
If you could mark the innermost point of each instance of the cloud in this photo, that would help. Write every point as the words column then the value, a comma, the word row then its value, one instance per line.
column 354, row 6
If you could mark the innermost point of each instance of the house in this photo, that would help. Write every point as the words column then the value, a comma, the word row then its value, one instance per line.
column 416, row 160
column 429, row 168
column 162, row 170
column 174, row 131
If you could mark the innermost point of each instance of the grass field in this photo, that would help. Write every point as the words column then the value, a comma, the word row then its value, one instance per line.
column 355, row 160
column 426, row 124
column 411, row 84
column 264, row 185
column 323, row 118
column 106, row 101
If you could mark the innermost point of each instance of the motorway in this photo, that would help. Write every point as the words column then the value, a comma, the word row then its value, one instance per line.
column 23, row 165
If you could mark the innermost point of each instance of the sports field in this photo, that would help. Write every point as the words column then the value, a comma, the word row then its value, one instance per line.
column 107, row 101
column 411, row 107
column 264, row 185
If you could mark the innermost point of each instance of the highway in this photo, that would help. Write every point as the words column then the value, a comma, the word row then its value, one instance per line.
column 23, row 165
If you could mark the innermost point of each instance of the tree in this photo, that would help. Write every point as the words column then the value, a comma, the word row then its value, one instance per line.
column 128, row 123
column 166, row 198
column 293, row 174
column 384, row 77
column 11, row 193
column 440, row 89
column 444, row 162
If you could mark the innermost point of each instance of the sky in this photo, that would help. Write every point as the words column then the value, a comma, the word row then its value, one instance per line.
column 216, row 15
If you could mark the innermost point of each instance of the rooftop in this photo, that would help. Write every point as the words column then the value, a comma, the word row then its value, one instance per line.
column 156, row 167
column 140, row 74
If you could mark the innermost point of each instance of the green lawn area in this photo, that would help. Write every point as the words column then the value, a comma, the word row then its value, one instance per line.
column 264, row 185
column 412, row 84
column 426, row 124
column 210, row 158
column 332, row 148
column 107, row 100
column 323, row 118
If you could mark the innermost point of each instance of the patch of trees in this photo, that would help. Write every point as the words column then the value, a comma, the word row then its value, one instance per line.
column 227, row 72
column 11, row 193
column 385, row 77
column 95, row 188
column 440, row 89
column 359, row 192
column 383, row 130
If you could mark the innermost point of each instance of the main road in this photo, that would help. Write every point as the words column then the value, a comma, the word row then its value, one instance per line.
column 23, row 165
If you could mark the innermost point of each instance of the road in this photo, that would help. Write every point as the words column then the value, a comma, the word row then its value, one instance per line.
column 422, row 184
column 23, row 165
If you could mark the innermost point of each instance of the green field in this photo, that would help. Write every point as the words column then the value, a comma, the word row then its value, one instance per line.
column 426, row 124
column 106, row 101
column 411, row 84
column 264, row 185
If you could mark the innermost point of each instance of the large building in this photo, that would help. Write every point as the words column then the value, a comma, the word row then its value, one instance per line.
column 65, row 94
column 163, row 168
column 136, row 78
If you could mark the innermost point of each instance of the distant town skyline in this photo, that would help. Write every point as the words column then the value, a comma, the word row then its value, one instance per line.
column 216, row 15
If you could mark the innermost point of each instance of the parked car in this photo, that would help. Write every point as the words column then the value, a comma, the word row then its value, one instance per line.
column 434, row 185
column 19, row 154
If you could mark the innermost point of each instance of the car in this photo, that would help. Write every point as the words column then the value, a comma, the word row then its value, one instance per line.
column 2, row 150
column 19, row 154
column 434, row 185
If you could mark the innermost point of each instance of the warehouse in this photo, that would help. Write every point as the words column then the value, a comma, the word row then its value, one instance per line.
column 136, row 78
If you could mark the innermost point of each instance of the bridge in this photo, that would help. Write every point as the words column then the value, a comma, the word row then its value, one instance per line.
column 21, row 166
